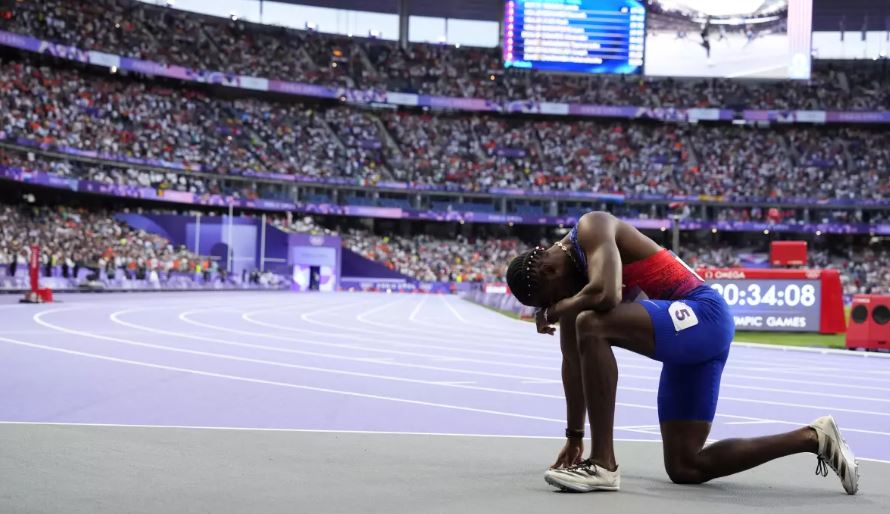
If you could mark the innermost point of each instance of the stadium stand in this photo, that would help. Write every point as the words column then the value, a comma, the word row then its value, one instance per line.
column 127, row 27
column 183, row 127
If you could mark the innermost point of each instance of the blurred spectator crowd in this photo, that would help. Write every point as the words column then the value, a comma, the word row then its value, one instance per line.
column 433, row 259
column 152, row 121
column 87, row 243
column 75, row 243
column 170, row 36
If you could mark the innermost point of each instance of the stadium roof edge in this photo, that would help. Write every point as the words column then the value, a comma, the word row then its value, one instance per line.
column 827, row 14
column 489, row 10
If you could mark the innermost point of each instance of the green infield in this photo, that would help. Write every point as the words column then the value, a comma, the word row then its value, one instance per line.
column 792, row 339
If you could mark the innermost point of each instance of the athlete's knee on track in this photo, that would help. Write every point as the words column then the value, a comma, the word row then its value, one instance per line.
column 684, row 472
column 687, row 468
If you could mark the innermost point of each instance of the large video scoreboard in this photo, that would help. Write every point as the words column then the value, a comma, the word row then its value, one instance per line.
column 691, row 38
column 586, row 36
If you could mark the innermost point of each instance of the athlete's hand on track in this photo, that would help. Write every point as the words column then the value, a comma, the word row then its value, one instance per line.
column 570, row 454
column 543, row 326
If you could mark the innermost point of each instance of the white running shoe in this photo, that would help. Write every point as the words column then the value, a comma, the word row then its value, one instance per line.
column 835, row 454
column 584, row 477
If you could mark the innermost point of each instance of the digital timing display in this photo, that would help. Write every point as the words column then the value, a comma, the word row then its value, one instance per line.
column 585, row 36
column 772, row 305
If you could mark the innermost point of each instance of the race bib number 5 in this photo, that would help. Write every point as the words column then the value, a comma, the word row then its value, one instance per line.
column 682, row 316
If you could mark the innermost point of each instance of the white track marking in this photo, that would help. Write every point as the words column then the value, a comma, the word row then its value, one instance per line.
column 331, row 431
column 305, row 430
column 622, row 365
column 425, row 335
column 824, row 351
column 362, row 335
column 456, row 314
column 777, row 421
column 277, row 383
column 414, row 312
column 459, row 385
column 115, row 317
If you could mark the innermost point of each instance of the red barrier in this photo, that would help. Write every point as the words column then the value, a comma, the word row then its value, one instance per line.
column 788, row 253
column 34, row 268
column 869, row 322
column 36, row 294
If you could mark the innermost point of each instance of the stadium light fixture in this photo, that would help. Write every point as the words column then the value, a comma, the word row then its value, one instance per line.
column 766, row 232
column 713, row 230
column 114, row 69
column 818, row 233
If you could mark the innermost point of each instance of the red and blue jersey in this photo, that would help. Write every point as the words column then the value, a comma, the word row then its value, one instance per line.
column 661, row 276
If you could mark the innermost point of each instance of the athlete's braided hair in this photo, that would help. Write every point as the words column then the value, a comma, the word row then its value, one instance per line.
column 522, row 275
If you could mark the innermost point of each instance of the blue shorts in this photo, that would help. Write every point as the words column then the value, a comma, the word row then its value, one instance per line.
column 692, row 338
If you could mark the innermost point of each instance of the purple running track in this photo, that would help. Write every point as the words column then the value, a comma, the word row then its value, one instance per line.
column 376, row 362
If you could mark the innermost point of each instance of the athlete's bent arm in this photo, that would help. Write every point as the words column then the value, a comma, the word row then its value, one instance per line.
column 573, row 388
column 603, row 290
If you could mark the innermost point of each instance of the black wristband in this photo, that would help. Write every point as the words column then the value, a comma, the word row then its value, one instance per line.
column 574, row 434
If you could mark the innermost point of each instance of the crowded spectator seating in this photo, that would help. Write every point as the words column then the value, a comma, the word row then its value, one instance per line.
column 188, row 128
column 90, row 248
column 170, row 36
column 433, row 259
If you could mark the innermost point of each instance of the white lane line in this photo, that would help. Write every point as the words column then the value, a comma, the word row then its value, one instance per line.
column 457, row 384
column 62, row 329
column 758, row 422
column 277, row 383
column 806, row 393
column 813, row 371
column 518, row 338
column 778, row 404
column 249, row 317
column 337, row 432
column 530, row 380
column 759, row 346
column 769, row 366
column 427, row 335
column 414, row 312
column 465, row 385
column 456, row 314
column 623, row 365
column 361, row 335
column 803, row 349
column 306, row 430
column 524, row 379
column 496, row 348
